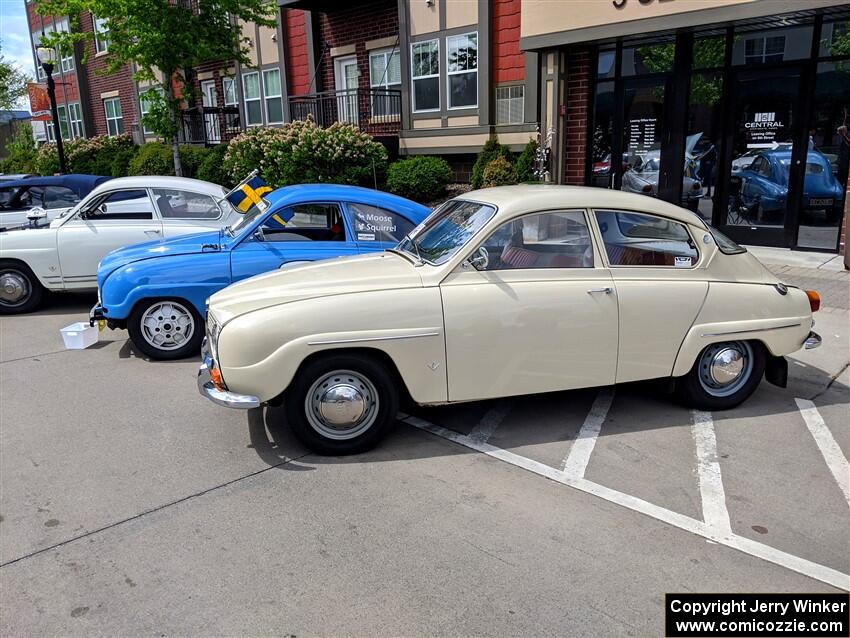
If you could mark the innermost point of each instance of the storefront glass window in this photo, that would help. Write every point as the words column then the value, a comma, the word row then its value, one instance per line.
column 828, row 158
column 605, row 66
column 642, row 128
column 835, row 38
column 772, row 46
column 702, row 145
column 709, row 52
column 641, row 59
column 602, row 168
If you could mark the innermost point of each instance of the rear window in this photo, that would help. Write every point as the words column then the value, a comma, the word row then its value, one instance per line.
column 726, row 245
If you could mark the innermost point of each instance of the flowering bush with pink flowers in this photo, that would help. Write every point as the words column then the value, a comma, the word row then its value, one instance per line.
column 302, row 153
column 100, row 155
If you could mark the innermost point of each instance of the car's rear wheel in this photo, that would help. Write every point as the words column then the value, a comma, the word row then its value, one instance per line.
column 166, row 329
column 20, row 289
column 342, row 404
column 724, row 375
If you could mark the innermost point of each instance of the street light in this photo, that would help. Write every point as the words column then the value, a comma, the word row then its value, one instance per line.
column 47, row 57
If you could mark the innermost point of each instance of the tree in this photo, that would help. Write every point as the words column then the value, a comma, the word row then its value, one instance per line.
column 164, row 40
column 13, row 83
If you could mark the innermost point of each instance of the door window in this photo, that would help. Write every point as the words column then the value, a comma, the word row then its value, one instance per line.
column 7, row 197
column 542, row 240
column 309, row 222
column 31, row 197
column 124, row 204
column 180, row 204
column 638, row 239
column 373, row 224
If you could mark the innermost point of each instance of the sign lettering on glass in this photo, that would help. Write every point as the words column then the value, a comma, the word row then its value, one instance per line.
column 762, row 129
column 642, row 134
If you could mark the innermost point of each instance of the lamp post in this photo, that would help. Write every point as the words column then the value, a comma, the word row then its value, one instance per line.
column 47, row 57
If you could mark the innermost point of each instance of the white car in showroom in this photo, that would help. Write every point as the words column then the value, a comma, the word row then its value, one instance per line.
column 63, row 256
column 505, row 291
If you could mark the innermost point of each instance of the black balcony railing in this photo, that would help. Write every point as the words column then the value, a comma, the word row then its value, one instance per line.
column 375, row 111
column 209, row 125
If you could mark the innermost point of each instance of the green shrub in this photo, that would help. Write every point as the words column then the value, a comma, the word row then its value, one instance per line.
column 46, row 160
column 21, row 149
column 191, row 159
column 420, row 178
column 492, row 149
column 95, row 155
column 121, row 161
column 301, row 152
column 499, row 172
column 153, row 158
column 525, row 163
column 212, row 168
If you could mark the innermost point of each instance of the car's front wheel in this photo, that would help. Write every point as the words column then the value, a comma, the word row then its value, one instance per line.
column 166, row 329
column 723, row 376
column 342, row 404
column 20, row 290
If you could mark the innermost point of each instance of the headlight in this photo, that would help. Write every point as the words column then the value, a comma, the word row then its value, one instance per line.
column 213, row 330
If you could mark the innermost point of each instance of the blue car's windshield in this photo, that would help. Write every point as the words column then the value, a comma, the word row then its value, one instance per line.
column 446, row 231
column 244, row 221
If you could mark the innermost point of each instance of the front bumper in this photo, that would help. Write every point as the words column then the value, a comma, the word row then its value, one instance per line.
column 96, row 314
column 812, row 341
column 209, row 390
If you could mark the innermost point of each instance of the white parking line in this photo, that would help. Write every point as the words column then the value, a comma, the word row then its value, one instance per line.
column 832, row 454
column 575, row 464
column 490, row 421
column 822, row 573
column 711, row 491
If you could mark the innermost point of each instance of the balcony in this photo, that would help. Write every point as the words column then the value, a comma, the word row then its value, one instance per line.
column 208, row 125
column 373, row 111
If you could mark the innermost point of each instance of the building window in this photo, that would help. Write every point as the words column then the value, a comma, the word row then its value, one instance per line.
column 462, row 60
column 101, row 35
column 425, row 58
column 228, row 85
column 385, row 73
column 63, row 124
column 764, row 50
column 76, row 118
column 67, row 56
column 510, row 104
column 274, row 103
column 145, row 108
column 114, row 118
column 251, row 94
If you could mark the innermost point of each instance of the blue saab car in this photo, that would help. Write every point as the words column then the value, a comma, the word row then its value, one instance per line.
column 158, row 290
column 764, row 186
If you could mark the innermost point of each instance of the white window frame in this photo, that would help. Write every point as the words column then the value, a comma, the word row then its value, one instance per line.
column 101, row 34
column 144, row 108
column 119, row 118
column 259, row 97
column 761, row 58
column 66, row 62
column 75, row 119
column 62, row 111
column 387, row 54
column 509, row 99
column 449, row 74
column 267, row 96
column 413, row 77
column 232, row 82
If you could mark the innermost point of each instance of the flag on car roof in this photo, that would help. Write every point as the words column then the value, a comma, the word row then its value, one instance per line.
column 249, row 192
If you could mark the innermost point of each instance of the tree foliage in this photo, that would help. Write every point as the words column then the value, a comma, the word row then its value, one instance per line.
column 708, row 53
column 20, row 151
column 13, row 83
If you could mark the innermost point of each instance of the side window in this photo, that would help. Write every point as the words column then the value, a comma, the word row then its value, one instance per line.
column 7, row 197
column 308, row 222
column 372, row 224
column 31, row 197
column 126, row 204
column 180, row 204
column 542, row 240
column 59, row 197
column 764, row 167
column 638, row 239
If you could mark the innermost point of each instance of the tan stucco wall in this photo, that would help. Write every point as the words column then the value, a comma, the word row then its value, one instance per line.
column 268, row 46
column 464, row 120
column 461, row 13
column 423, row 19
column 248, row 31
column 430, row 123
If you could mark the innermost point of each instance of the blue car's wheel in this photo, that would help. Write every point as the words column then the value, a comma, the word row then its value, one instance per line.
column 166, row 329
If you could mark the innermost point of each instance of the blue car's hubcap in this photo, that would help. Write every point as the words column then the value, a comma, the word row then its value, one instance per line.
column 167, row 325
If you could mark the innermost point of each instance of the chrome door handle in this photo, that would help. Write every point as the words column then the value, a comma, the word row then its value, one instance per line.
column 153, row 232
column 607, row 290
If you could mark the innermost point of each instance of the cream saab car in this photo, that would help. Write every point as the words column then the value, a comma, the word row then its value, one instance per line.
column 505, row 291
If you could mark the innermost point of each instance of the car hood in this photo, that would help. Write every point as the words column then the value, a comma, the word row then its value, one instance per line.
column 343, row 275
column 181, row 245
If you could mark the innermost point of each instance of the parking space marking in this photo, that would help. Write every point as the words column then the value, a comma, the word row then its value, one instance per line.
column 482, row 432
column 756, row 549
column 711, row 491
column 575, row 464
column 832, row 454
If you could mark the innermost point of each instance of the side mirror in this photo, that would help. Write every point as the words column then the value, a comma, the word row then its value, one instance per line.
column 35, row 213
column 480, row 259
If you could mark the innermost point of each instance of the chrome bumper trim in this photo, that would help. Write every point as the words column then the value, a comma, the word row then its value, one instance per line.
column 812, row 341
column 740, row 332
column 222, row 397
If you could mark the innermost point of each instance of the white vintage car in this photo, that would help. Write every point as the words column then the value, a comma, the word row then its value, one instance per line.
column 64, row 255
column 505, row 291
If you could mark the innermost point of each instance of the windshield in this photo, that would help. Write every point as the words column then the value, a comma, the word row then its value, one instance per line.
column 244, row 220
column 446, row 231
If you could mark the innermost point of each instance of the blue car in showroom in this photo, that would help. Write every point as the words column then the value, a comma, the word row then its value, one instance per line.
column 158, row 290
column 764, row 186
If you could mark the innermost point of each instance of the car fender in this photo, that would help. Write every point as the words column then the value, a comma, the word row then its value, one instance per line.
column 748, row 312
column 263, row 349
column 191, row 277
column 37, row 249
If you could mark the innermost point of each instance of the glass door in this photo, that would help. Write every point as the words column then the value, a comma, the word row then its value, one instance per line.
column 346, row 79
column 643, row 122
column 210, row 101
column 759, row 202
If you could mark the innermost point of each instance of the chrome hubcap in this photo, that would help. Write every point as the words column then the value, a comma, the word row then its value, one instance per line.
column 167, row 325
column 725, row 367
column 342, row 405
column 14, row 288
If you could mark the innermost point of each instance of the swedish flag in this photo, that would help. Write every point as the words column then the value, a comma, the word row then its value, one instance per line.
column 249, row 193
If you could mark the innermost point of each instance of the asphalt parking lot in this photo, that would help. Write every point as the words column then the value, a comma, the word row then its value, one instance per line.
column 129, row 505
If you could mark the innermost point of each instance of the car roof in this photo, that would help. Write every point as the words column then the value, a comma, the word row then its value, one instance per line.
column 79, row 183
column 162, row 181
column 287, row 195
column 512, row 200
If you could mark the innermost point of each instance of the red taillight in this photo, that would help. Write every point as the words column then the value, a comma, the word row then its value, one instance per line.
column 814, row 300
column 647, row 189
